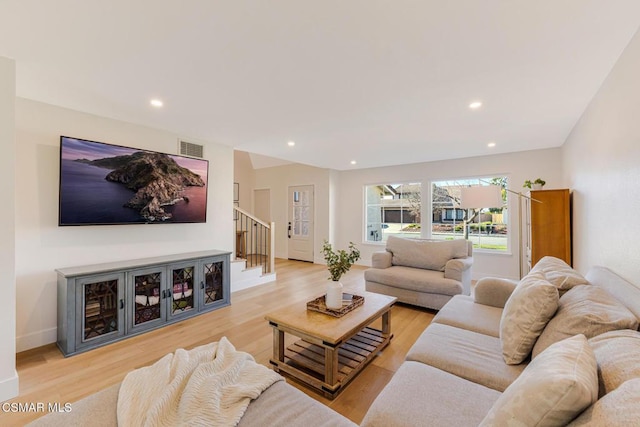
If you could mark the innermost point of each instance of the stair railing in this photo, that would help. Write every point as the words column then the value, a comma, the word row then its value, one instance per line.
column 255, row 240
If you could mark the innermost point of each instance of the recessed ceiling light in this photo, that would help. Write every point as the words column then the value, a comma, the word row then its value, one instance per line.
column 475, row 105
column 491, row 144
column 156, row 103
column 291, row 143
column 353, row 162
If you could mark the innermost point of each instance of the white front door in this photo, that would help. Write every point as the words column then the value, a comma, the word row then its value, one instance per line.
column 300, row 223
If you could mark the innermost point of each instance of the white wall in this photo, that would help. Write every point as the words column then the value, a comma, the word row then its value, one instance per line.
column 42, row 246
column 8, row 375
column 339, row 198
column 278, row 179
column 518, row 167
column 244, row 175
column 602, row 165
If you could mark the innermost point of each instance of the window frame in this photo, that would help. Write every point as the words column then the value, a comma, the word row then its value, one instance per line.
column 485, row 178
column 367, row 225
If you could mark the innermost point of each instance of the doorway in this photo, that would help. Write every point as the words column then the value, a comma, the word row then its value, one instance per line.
column 300, row 230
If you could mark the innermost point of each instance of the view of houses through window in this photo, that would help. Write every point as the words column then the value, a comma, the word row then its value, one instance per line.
column 392, row 209
column 395, row 209
column 486, row 227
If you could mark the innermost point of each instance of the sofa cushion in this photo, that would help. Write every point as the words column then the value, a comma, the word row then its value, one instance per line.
column 556, row 386
column 618, row 356
column 431, row 300
column 462, row 312
column 469, row 355
column 97, row 409
column 587, row 310
column 618, row 408
column 426, row 254
column 526, row 313
column 279, row 405
column 414, row 279
column 440, row 395
column 559, row 273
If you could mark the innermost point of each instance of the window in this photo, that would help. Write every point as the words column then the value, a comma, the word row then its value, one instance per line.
column 486, row 227
column 392, row 209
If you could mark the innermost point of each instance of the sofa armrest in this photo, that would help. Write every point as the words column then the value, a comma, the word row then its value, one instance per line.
column 494, row 291
column 381, row 259
column 460, row 269
column 454, row 268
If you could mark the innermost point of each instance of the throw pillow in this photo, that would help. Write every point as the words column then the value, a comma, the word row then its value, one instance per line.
column 425, row 254
column 559, row 273
column 527, row 311
column 587, row 310
column 618, row 408
column 617, row 353
column 552, row 390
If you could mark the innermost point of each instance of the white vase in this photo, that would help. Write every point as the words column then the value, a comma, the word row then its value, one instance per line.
column 536, row 186
column 333, row 300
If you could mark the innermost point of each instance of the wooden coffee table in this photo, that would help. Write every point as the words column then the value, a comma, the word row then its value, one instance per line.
column 332, row 350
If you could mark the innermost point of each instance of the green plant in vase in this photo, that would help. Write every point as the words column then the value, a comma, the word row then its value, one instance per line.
column 338, row 263
column 536, row 185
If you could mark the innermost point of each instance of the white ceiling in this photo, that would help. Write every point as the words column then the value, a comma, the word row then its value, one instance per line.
column 378, row 81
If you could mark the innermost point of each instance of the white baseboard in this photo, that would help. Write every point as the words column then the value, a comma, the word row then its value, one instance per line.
column 36, row 339
column 9, row 387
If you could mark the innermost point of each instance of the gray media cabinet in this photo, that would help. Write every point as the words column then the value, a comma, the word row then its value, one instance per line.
column 102, row 303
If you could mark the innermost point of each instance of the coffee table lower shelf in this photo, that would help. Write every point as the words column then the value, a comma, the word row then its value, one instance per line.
column 306, row 361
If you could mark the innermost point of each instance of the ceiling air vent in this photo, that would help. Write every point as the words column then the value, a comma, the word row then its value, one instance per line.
column 190, row 149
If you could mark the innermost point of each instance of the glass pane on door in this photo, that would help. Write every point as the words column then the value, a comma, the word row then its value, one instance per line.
column 213, row 282
column 147, row 297
column 182, row 290
column 100, row 308
column 301, row 213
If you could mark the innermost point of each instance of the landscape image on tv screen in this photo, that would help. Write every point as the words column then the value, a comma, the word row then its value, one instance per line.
column 109, row 184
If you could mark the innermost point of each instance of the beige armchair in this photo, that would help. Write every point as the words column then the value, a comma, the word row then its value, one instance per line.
column 427, row 273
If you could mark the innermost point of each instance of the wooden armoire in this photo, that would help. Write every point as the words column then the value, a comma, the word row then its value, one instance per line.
column 548, row 220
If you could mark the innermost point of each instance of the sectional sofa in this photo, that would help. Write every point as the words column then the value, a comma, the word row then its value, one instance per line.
column 555, row 348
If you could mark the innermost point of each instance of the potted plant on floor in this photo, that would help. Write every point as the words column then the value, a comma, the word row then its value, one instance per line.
column 338, row 263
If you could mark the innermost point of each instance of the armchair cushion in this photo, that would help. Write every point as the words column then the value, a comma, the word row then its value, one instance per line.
column 425, row 254
column 414, row 279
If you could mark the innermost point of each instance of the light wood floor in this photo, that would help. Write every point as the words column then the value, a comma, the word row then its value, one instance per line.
column 46, row 376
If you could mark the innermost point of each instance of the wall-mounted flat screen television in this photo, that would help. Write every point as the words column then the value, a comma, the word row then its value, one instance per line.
column 110, row 184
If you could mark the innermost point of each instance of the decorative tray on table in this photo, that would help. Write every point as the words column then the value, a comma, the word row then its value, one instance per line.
column 349, row 303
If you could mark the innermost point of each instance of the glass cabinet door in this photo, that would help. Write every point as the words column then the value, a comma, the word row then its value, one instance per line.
column 146, row 290
column 101, row 304
column 212, row 280
column 181, row 289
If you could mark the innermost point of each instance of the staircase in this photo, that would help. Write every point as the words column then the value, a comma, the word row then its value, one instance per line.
column 254, row 262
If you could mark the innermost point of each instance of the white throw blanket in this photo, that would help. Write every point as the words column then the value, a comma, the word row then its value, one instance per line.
column 211, row 385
